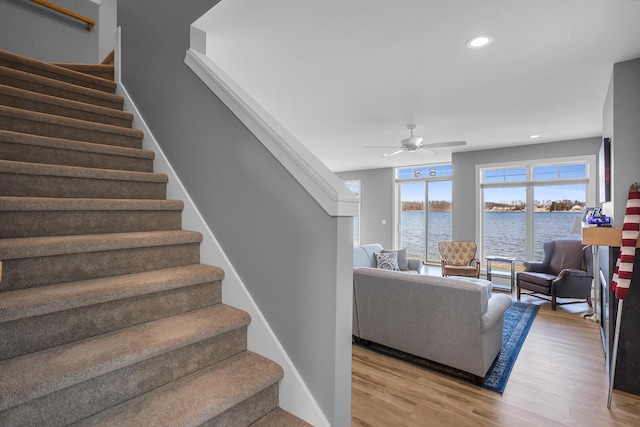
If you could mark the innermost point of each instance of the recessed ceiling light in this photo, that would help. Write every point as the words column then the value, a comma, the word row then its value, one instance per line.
column 479, row 41
column 534, row 136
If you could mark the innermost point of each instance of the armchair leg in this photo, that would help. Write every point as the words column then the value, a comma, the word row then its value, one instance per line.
column 554, row 303
column 518, row 291
column 589, row 302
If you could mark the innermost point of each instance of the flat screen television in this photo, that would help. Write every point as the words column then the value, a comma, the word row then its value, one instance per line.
column 604, row 170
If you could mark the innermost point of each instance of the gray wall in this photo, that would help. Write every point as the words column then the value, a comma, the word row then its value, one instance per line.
column 464, row 170
column 108, row 15
column 282, row 243
column 376, row 204
column 377, row 186
column 625, row 142
column 29, row 29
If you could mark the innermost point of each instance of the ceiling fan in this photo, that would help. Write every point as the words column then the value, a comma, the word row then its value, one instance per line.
column 414, row 143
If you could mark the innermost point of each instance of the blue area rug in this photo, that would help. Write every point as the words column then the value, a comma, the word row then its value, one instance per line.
column 517, row 322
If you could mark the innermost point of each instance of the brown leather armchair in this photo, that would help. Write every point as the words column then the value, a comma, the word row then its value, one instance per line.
column 459, row 259
column 565, row 272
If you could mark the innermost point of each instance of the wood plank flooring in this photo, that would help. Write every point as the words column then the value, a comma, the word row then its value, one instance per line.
column 559, row 379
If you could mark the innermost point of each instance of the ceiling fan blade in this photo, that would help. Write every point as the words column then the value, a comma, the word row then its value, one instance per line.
column 381, row 146
column 426, row 150
column 444, row 144
column 392, row 153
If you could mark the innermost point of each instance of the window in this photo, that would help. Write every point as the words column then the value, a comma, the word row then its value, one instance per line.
column 355, row 187
column 525, row 205
column 424, row 209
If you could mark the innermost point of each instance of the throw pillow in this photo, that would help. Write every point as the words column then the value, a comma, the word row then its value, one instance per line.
column 403, row 261
column 387, row 261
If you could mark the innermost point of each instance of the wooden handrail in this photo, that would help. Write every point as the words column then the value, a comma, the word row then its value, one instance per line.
column 90, row 22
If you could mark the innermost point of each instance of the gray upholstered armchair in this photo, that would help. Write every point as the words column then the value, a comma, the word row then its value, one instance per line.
column 565, row 272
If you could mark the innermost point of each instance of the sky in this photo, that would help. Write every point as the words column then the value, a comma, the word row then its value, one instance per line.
column 441, row 190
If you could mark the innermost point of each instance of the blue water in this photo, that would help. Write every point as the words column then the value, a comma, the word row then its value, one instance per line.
column 504, row 232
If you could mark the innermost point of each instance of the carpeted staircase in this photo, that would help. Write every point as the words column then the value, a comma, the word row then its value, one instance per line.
column 107, row 316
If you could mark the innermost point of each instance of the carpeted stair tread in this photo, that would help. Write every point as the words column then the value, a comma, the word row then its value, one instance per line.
column 197, row 398
column 50, row 70
column 25, row 303
column 25, row 121
column 34, row 101
column 25, row 168
column 15, row 204
column 37, row 374
column 44, row 180
column 48, row 216
column 34, row 83
column 105, row 309
column 279, row 418
column 68, row 144
column 31, row 247
column 104, row 71
column 42, row 149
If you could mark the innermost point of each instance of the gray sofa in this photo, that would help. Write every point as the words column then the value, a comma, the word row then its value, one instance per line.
column 363, row 257
column 452, row 321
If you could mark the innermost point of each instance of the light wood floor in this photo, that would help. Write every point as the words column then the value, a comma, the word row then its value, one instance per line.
column 558, row 379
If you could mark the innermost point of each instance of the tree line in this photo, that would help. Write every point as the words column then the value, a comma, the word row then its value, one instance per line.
column 434, row 205
column 515, row 205
column 547, row 205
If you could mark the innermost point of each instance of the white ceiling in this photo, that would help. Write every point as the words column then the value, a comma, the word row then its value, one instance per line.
column 344, row 74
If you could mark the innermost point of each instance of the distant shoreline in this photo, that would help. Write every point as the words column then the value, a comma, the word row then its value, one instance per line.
column 497, row 210
column 445, row 206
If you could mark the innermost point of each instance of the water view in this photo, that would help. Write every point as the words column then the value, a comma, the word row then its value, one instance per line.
column 504, row 232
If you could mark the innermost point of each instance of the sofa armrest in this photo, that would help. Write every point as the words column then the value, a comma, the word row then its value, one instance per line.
column 415, row 264
column 497, row 306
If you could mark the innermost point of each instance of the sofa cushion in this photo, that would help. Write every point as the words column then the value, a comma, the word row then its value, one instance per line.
column 461, row 270
column 403, row 260
column 541, row 279
column 387, row 261
column 486, row 283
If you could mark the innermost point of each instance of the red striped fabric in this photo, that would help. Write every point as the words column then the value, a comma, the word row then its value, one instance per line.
column 624, row 265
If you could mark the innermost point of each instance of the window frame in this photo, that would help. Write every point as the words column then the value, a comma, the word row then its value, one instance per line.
column 591, row 177
column 447, row 166
column 348, row 183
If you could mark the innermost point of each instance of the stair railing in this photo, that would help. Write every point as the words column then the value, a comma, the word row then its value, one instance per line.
column 90, row 22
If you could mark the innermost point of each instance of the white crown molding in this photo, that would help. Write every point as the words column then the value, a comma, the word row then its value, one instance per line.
column 322, row 184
